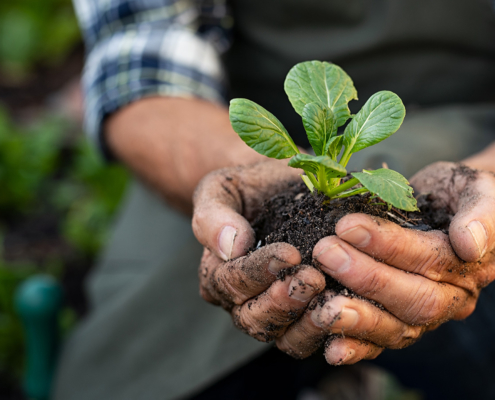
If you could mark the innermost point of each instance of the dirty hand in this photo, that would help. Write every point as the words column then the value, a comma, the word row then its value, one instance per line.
column 422, row 279
column 247, row 285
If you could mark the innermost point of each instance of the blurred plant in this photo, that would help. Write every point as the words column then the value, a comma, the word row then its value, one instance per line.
column 35, row 32
column 11, row 343
column 48, row 171
column 42, row 169
column 89, row 198
column 27, row 159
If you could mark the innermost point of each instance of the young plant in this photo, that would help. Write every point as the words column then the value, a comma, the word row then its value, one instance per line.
column 320, row 93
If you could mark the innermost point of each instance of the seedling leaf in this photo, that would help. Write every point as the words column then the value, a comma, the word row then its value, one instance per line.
column 389, row 185
column 333, row 147
column 323, row 83
column 261, row 130
column 320, row 124
column 312, row 164
column 379, row 118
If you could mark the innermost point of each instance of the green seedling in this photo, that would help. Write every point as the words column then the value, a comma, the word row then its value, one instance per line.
column 320, row 93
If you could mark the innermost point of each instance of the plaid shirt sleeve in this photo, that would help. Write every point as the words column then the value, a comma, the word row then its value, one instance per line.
column 139, row 48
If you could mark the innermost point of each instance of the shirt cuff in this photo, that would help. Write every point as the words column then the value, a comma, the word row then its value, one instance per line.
column 144, row 62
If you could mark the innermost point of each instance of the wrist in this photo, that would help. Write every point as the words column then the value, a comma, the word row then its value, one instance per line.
column 171, row 143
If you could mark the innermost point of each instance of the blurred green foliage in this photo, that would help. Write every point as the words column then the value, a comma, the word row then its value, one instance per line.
column 11, row 343
column 42, row 168
column 48, row 168
column 34, row 32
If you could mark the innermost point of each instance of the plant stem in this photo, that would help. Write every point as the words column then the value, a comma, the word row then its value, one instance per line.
column 351, row 193
column 313, row 180
column 308, row 183
column 345, row 157
column 333, row 183
column 339, row 189
column 322, row 179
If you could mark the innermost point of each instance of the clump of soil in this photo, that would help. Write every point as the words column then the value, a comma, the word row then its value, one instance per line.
column 301, row 219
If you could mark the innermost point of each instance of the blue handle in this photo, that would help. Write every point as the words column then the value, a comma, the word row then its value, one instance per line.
column 38, row 301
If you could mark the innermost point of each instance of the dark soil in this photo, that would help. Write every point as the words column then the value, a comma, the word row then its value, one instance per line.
column 301, row 219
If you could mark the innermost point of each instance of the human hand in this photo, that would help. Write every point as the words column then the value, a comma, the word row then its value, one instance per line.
column 247, row 285
column 422, row 279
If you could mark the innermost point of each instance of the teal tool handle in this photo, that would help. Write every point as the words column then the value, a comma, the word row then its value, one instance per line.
column 38, row 301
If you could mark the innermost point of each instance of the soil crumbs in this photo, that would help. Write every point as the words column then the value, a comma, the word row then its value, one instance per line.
column 301, row 219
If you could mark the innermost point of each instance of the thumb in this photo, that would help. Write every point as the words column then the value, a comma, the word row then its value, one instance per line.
column 217, row 221
column 224, row 197
column 472, row 230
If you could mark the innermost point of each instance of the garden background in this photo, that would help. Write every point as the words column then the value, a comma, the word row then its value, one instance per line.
column 57, row 198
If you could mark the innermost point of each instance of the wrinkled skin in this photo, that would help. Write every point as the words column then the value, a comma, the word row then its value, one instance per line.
column 422, row 279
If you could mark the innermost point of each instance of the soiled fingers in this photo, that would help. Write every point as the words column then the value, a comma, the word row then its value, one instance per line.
column 471, row 195
column 226, row 199
column 233, row 282
column 429, row 254
column 346, row 351
column 412, row 298
column 337, row 314
column 268, row 315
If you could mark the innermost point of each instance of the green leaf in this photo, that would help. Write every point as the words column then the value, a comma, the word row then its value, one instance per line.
column 323, row 83
column 380, row 117
column 260, row 129
column 389, row 185
column 311, row 164
column 320, row 124
column 333, row 147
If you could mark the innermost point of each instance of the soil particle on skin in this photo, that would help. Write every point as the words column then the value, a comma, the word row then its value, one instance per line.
column 284, row 273
column 301, row 219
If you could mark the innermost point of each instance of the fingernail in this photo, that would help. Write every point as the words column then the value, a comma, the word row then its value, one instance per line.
column 299, row 290
column 347, row 320
column 480, row 236
column 226, row 242
column 357, row 236
column 334, row 259
column 337, row 355
column 275, row 266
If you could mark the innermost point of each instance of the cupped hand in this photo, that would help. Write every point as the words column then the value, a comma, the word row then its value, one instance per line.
column 264, row 291
column 422, row 279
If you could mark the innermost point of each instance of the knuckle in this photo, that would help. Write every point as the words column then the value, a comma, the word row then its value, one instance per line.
column 375, row 322
column 407, row 336
column 428, row 265
column 430, row 306
column 467, row 310
column 371, row 282
column 393, row 251
column 198, row 219
column 285, row 345
column 277, row 309
column 223, row 284
column 241, row 320
column 250, row 324
column 373, row 352
column 207, row 296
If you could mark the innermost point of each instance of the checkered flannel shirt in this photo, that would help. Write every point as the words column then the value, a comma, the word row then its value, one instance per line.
column 139, row 48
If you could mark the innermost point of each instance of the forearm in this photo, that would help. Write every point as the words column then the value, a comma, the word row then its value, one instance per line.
column 484, row 160
column 171, row 143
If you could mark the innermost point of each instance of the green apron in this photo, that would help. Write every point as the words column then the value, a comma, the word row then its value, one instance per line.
column 149, row 335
